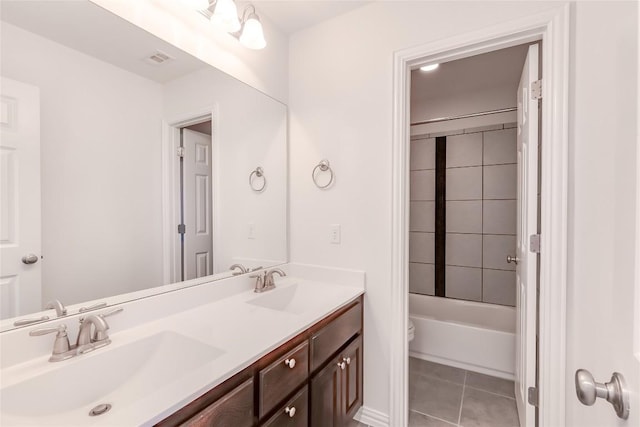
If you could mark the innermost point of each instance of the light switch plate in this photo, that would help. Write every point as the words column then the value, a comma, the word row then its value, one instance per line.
column 251, row 231
column 335, row 234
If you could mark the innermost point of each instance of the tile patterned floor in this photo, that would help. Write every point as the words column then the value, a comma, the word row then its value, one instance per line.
column 443, row 396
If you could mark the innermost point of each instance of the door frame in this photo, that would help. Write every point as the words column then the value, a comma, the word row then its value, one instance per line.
column 171, row 187
column 552, row 27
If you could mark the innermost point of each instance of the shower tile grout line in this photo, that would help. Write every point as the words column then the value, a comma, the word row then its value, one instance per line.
column 464, row 385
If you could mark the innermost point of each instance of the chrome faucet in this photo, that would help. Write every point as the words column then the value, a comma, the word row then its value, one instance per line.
column 92, row 335
column 61, row 310
column 269, row 283
column 265, row 281
column 240, row 267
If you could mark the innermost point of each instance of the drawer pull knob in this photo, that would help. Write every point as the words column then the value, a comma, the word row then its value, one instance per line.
column 291, row 411
column 347, row 359
column 342, row 365
column 291, row 363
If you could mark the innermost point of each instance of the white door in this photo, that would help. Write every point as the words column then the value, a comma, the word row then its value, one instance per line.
column 20, row 287
column 198, row 237
column 527, row 224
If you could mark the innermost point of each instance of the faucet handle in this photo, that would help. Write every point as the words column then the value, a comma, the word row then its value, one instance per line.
column 60, row 345
column 260, row 280
column 112, row 312
column 92, row 307
column 106, row 314
column 60, row 329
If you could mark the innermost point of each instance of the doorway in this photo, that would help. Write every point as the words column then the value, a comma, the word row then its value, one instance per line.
column 190, row 179
column 195, row 187
column 553, row 259
column 473, row 164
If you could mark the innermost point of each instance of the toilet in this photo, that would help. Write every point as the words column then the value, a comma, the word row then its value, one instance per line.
column 412, row 331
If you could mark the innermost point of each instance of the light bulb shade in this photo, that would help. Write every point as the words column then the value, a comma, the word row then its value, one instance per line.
column 226, row 16
column 197, row 4
column 252, row 35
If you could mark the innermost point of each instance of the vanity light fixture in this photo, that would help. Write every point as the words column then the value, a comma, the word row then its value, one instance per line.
column 224, row 14
column 429, row 67
column 252, row 35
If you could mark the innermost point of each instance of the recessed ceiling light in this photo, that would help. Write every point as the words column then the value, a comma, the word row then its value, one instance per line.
column 430, row 67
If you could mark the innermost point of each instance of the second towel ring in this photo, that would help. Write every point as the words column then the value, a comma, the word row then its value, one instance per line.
column 323, row 166
column 259, row 173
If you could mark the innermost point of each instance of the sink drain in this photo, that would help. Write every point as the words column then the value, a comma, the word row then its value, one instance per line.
column 100, row 409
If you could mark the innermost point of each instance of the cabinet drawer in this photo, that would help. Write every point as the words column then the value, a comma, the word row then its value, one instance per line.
column 279, row 379
column 234, row 409
column 299, row 406
column 329, row 339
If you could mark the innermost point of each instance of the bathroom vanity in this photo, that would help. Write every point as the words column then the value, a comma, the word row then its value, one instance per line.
column 217, row 351
column 314, row 379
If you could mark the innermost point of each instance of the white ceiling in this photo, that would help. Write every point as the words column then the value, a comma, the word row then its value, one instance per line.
column 83, row 26
column 291, row 16
column 487, row 71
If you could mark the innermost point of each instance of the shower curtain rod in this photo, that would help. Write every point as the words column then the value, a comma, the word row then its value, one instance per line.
column 465, row 116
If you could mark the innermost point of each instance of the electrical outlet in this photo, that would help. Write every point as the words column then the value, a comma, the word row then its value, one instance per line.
column 251, row 231
column 335, row 234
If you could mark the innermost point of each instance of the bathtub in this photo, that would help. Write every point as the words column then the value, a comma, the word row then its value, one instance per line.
column 469, row 335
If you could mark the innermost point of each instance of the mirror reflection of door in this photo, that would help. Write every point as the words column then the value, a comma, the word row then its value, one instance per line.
column 20, row 223
column 196, row 205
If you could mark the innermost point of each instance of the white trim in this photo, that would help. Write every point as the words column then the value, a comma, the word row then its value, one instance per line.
column 371, row 417
column 552, row 27
column 170, row 188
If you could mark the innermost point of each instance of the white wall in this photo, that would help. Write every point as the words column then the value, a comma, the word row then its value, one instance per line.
column 341, row 108
column 602, row 206
column 100, row 143
column 251, row 132
column 266, row 69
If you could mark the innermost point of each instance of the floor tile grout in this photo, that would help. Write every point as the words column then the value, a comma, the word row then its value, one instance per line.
column 434, row 417
column 492, row 392
column 464, row 385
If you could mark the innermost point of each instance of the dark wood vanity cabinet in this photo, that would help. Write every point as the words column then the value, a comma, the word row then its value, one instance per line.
column 336, row 391
column 315, row 379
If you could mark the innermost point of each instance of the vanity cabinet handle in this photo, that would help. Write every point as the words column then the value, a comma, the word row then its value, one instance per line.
column 291, row 363
column 291, row 411
column 347, row 359
column 342, row 365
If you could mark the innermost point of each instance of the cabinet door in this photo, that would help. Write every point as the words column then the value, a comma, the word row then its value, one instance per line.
column 352, row 379
column 235, row 409
column 326, row 408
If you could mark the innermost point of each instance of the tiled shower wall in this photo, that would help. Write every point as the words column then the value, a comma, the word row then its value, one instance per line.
column 480, row 214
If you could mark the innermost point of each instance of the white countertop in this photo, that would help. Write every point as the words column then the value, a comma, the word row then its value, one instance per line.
column 241, row 332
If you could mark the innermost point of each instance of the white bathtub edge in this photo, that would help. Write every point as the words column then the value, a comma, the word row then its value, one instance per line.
column 463, row 365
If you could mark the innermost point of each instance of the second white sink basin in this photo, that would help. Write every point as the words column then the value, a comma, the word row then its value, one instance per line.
column 295, row 299
column 118, row 376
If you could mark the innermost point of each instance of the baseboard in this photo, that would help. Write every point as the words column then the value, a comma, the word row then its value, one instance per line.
column 372, row 418
column 462, row 365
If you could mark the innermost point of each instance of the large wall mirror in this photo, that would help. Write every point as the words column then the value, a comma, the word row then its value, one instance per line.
column 128, row 166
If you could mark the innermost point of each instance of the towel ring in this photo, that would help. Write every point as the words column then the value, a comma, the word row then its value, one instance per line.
column 259, row 173
column 323, row 166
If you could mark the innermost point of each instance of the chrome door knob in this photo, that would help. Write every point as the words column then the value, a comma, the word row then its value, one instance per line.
column 291, row 363
column 615, row 391
column 30, row 259
column 512, row 259
column 291, row 411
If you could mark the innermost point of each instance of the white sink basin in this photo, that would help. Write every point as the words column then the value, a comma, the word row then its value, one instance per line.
column 295, row 299
column 117, row 376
